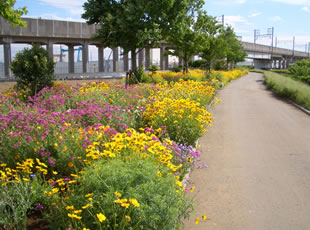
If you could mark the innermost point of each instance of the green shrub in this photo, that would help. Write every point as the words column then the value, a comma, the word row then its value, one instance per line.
column 198, row 64
column 153, row 68
column 301, row 70
column 33, row 70
column 288, row 88
column 160, row 206
column 220, row 64
column 176, row 69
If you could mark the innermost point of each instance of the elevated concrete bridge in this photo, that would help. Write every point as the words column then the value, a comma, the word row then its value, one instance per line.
column 50, row 32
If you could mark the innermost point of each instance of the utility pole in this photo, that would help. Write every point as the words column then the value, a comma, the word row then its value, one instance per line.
column 272, row 29
column 276, row 42
column 293, row 46
column 308, row 49
column 223, row 20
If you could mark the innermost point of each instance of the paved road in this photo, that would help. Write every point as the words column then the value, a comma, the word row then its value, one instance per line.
column 258, row 154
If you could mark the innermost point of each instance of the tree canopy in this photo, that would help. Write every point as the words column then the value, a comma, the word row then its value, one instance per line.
column 135, row 24
column 192, row 35
column 10, row 14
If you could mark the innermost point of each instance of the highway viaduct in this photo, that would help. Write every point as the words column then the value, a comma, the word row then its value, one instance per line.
column 50, row 32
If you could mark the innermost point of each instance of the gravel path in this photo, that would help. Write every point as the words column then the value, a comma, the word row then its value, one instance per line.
column 258, row 154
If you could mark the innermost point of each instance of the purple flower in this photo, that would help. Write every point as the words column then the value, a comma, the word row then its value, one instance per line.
column 39, row 206
column 32, row 175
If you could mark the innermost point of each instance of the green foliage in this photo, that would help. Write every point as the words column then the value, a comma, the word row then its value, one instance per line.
column 301, row 71
column 191, row 34
column 198, row 64
column 161, row 207
column 220, row 64
column 138, row 76
column 133, row 24
column 153, row 68
column 288, row 88
column 12, row 15
column 234, row 52
column 33, row 70
column 16, row 201
column 176, row 69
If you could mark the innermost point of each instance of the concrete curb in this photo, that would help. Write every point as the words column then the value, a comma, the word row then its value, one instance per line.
column 299, row 107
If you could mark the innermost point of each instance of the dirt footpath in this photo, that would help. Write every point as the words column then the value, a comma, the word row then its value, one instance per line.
column 258, row 154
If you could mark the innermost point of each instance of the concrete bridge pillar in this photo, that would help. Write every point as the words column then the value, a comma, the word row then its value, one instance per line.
column 100, row 59
column 147, row 58
column 163, row 59
column 85, row 58
column 71, row 58
column 7, row 59
column 126, row 62
column 115, row 60
column 50, row 51
column 141, row 58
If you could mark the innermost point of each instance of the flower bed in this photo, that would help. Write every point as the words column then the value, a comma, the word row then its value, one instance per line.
column 99, row 156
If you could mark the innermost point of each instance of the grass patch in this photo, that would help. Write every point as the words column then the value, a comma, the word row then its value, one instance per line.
column 288, row 88
column 257, row 71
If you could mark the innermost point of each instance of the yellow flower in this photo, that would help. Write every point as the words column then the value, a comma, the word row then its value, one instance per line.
column 192, row 189
column 77, row 211
column 89, row 195
column 204, row 217
column 55, row 145
column 73, row 216
column 70, row 207
column 101, row 217
column 90, row 199
column 86, row 229
column 125, row 205
column 55, row 190
column 118, row 194
column 159, row 173
column 127, row 218
column 197, row 220
column 55, row 173
column 85, row 206
column 134, row 202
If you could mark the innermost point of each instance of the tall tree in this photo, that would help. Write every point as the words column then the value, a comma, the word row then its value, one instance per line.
column 192, row 34
column 10, row 14
column 235, row 52
column 133, row 24
column 217, row 46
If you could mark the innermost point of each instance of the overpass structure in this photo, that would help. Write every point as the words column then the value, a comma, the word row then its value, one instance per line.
column 51, row 32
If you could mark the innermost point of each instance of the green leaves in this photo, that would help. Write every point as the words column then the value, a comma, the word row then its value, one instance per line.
column 33, row 69
column 10, row 14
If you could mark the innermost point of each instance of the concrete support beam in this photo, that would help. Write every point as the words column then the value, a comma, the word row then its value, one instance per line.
column 7, row 59
column 115, row 60
column 147, row 58
column 100, row 59
column 71, row 58
column 141, row 58
column 126, row 62
column 50, row 51
column 85, row 58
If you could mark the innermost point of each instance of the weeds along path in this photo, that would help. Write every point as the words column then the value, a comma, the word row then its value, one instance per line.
column 258, row 154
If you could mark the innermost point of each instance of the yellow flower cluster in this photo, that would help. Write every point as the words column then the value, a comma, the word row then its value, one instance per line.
column 94, row 87
column 230, row 75
column 184, row 89
column 172, row 110
column 135, row 141
column 196, row 74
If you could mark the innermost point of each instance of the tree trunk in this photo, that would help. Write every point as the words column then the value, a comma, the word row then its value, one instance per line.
column 186, row 64
column 133, row 60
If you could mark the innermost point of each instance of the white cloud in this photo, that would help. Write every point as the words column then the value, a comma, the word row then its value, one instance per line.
column 239, row 23
column 230, row 2
column 56, row 17
column 294, row 2
column 255, row 14
column 72, row 6
column 305, row 8
column 276, row 18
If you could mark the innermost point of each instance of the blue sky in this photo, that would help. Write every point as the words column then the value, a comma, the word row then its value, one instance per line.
column 288, row 17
